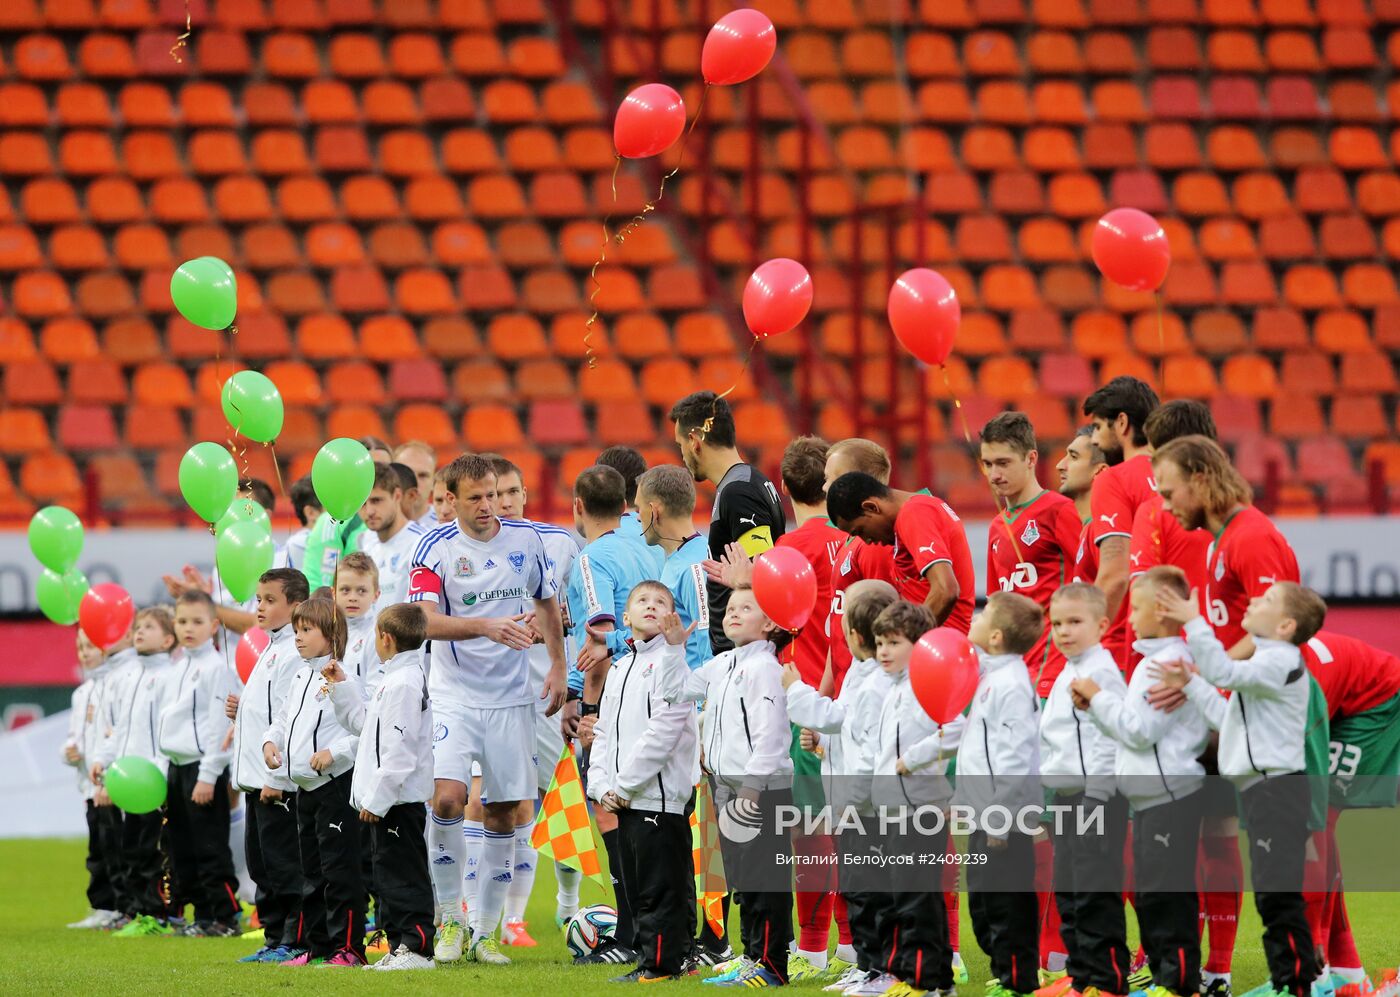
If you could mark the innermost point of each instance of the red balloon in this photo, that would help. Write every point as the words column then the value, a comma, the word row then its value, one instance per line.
column 1131, row 249
column 777, row 297
column 250, row 647
column 943, row 673
column 738, row 47
column 105, row 614
column 924, row 313
column 785, row 586
column 649, row 121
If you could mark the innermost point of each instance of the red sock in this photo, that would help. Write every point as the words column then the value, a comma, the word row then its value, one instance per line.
column 951, row 897
column 843, row 922
column 814, row 897
column 1341, row 946
column 1222, row 879
column 1050, row 940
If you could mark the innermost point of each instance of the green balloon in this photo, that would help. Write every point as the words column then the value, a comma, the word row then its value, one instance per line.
column 342, row 475
column 208, row 480
column 242, row 553
column 205, row 292
column 60, row 595
column 253, row 406
column 244, row 510
column 56, row 537
column 135, row 784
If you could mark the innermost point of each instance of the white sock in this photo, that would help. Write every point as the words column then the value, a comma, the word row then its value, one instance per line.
column 1056, row 962
column 447, row 855
column 817, row 959
column 522, row 877
column 1352, row 974
column 493, row 880
column 471, row 832
column 566, row 879
column 846, row 953
column 237, row 833
column 1208, row 977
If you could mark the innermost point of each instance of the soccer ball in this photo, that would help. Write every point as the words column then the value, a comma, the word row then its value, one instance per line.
column 587, row 929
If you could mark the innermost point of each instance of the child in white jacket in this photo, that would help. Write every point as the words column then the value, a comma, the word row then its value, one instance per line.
column 319, row 755
column 644, row 764
column 139, row 694
column 1159, row 772
column 1263, row 734
column 911, row 780
column 1079, row 762
column 394, row 780
column 356, row 591
column 84, row 731
column 193, row 735
column 746, row 740
column 999, row 767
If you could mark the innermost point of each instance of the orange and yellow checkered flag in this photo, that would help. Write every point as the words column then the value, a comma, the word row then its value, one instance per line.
column 563, row 831
column 710, row 885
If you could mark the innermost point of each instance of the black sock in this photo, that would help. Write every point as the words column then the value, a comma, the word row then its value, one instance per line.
column 626, row 932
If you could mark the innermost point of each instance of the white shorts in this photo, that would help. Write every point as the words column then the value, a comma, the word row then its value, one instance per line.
column 549, row 745
column 501, row 740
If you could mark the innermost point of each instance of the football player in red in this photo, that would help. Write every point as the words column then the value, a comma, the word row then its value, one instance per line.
column 1081, row 465
column 1158, row 538
column 1031, row 546
column 1119, row 412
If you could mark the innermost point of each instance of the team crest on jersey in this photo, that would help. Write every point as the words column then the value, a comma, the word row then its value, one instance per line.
column 465, row 568
column 517, row 560
column 1030, row 534
column 439, row 731
column 846, row 565
column 1083, row 544
column 1219, row 568
column 358, row 644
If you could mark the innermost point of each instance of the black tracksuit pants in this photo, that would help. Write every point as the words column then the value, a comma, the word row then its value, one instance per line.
column 109, row 837
column 405, row 888
column 274, row 863
column 333, row 898
column 867, row 911
column 143, row 855
column 1275, row 814
column 1165, row 839
column 914, row 930
column 101, row 889
column 1089, row 892
column 1005, row 914
column 657, row 864
column 765, row 917
column 201, row 865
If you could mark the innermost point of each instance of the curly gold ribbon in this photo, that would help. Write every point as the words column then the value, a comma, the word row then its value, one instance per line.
column 183, row 40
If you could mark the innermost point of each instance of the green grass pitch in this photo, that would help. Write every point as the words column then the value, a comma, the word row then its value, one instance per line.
column 41, row 889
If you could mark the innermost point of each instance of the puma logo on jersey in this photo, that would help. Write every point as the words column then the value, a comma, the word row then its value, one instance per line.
column 393, row 830
column 930, row 548
column 1165, row 839
column 751, row 520
column 399, row 729
column 1110, row 520
column 1267, row 844
column 652, row 821
column 1135, row 558
column 335, row 827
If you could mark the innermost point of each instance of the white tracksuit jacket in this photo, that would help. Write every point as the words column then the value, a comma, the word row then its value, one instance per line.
column 845, row 725
column 1263, row 725
column 361, row 659
column 645, row 749
column 86, row 726
column 907, row 733
column 394, row 761
column 1075, row 755
column 261, row 702
column 744, row 730
column 1157, row 751
column 999, row 757
column 139, row 698
column 306, row 725
column 193, row 724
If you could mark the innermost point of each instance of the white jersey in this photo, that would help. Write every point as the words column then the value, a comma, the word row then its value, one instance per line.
column 429, row 521
column 560, row 549
column 392, row 557
column 481, row 580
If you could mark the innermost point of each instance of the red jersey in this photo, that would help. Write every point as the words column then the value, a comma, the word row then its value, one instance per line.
column 926, row 532
column 1247, row 556
column 856, row 561
column 1086, row 556
column 1030, row 552
column 1113, row 503
column 1159, row 538
column 820, row 542
column 1354, row 676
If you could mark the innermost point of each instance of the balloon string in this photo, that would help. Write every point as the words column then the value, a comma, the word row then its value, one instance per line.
column 708, row 424
column 182, row 41
column 967, row 438
column 650, row 206
column 1161, row 334
column 593, row 274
